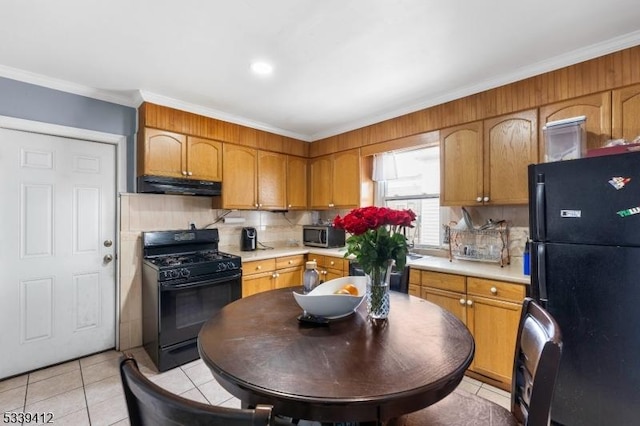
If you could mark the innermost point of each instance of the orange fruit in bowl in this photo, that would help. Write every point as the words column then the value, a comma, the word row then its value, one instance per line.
column 342, row 291
column 352, row 289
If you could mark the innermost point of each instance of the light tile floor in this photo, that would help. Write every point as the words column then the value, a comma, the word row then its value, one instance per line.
column 88, row 391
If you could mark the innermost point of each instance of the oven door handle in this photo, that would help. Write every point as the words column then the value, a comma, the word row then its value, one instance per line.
column 213, row 281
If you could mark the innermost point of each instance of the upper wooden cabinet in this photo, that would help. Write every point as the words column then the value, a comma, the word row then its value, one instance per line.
column 461, row 165
column 626, row 113
column 253, row 179
column 597, row 109
column 204, row 159
column 486, row 162
column 340, row 180
column 162, row 153
column 272, row 178
column 510, row 145
column 240, row 177
column 297, row 171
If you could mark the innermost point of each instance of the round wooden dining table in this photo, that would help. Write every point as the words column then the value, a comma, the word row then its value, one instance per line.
column 351, row 370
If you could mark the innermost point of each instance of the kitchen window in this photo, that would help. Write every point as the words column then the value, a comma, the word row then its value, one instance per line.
column 411, row 180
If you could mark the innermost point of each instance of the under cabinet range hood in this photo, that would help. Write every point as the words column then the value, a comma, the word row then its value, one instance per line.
column 169, row 185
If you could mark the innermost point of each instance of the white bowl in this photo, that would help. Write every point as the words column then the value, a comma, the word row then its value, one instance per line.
column 322, row 301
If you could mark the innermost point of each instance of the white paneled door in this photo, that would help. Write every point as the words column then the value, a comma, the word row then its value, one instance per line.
column 57, row 248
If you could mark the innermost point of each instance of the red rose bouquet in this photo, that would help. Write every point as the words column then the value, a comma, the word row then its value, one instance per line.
column 376, row 235
column 377, row 242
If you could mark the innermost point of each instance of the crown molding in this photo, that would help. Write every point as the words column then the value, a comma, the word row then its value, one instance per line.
column 134, row 98
column 571, row 58
column 217, row 114
column 68, row 87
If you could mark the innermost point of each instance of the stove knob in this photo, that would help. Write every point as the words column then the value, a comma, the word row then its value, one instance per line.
column 222, row 266
column 175, row 274
column 231, row 265
column 184, row 272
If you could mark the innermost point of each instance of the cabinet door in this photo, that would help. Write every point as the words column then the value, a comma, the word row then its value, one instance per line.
column 204, row 159
column 331, row 274
column 272, row 177
column 164, row 153
column 257, row 283
column 346, row 179
column 239, row 190
column 297, row 183
column 414, row 282
column 290, row 277
column 626, row 113
column 461, row 169
column 510, row 145
column 597, row 109
column 451, row 301
column 494, row 326
column 321, row 184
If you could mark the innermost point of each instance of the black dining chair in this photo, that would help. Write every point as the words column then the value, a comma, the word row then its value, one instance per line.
column 150, row 405
column 536, row 362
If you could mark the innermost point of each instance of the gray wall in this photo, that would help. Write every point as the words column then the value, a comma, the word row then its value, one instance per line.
column 37, row 103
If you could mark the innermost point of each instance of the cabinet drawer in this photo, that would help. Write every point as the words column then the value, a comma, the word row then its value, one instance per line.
column 318, row 258
column 337, row 263
column 496, row 289
column 258, row 266
column 443, row 281
column 289, row 261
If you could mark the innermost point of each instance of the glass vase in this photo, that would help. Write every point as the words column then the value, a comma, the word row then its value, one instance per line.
column 378, row 291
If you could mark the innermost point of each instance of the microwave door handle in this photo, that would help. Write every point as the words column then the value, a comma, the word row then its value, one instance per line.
column 323, row 236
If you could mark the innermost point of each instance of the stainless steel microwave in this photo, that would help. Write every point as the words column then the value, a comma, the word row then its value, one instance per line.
column 325, row 236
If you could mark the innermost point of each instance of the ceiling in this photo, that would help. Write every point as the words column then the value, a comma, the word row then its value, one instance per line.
column 338, row 64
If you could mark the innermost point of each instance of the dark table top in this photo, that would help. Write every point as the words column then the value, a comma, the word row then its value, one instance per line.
column 351, row 370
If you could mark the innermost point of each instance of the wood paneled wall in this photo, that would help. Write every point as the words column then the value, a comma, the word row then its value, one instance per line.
column 174, row 120
column 608, row 72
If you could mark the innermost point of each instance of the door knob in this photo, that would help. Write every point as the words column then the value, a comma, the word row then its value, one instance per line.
column 108, row 243
column 107, row 258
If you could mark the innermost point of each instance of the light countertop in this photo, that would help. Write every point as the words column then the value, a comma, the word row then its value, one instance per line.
column 512, row 273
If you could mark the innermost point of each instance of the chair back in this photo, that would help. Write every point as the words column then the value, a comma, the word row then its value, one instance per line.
column 536, row 363
column 150, row 405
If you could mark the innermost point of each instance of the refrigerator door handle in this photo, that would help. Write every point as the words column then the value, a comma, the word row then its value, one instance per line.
column 540, row 225
column 541, row 273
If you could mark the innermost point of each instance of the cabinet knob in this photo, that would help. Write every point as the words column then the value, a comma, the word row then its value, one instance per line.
column 184, row 173
column 189, row 173
column 330, row 204
column 256, row 204
column 258, row 267
column 469, row 302
column 479, row 199
column 290, row 262
column 485, row 199
column 289, row 205
column 462, row 302
column 493, row 290
column 275, row 275
column 332, row 263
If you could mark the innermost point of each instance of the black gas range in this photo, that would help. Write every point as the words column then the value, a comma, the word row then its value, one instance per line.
column 185, row 281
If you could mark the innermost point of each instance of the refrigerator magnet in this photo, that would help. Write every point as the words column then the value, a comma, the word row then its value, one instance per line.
column 619, row 182
column 628, row 212
column 570, row 213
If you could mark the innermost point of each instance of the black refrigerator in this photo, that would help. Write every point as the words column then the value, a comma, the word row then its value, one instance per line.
column 585, row 270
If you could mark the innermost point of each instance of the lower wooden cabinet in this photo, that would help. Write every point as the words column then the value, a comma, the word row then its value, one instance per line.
column 491, row 311
column 269, row 274
column 330, row 267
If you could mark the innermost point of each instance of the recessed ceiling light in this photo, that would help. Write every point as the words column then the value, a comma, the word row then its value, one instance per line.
column 261, row 68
